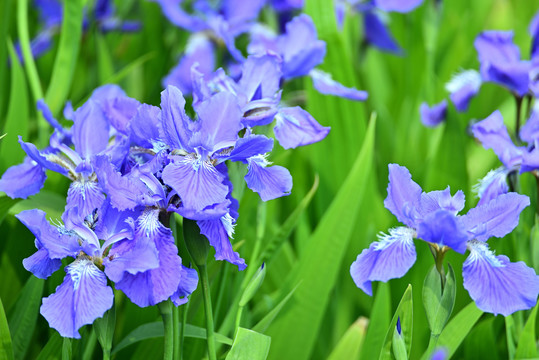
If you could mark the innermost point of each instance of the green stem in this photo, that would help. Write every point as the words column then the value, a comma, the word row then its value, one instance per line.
column 66, row 349
column 433, row 341
column 165, row 308
column 176, row 330
column 203, row 271
column 238, row 320
column 183, row 309
column 90, row 346
column 517, row 120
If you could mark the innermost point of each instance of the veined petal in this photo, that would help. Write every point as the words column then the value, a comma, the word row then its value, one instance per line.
column 324, row 84
column 196, row 181
column 175, row 124
column 59, row 244
column 442, row 227
column 188, row 284
column 85, row 195
column 497, row 217
column 403, row 195
column 270, row 182
column 296, row 127
column 249, row 146
column 23, row 180
column 131, row 256
column 83, row 297
column 90, row 130
column 441, row 199
column 153, row 286
column 40, row 264
column 497, row 285
column 219, row 232
column 389, row 258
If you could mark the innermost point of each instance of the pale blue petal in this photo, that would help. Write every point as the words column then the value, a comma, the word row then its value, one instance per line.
column 403, row 195
column 270, row 182
column 296, row 127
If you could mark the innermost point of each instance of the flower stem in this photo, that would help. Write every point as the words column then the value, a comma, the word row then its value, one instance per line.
column 208, row 309
column 176, row 332
column 165, row 308
column 517, row 120
column 433, row 341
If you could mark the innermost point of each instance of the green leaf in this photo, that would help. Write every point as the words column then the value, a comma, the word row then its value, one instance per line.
column 456, row 330
column 53, row 349
column 5, row 20
column 6, row 203
column 438, row 305
column 263, row 324
column 6, row 350
column 527, row 347
column 17, row 115
column 249, row 345
column 50, row 202
column 67, row 349
column 104, row 329
column 404, row 312
column 253, row 286
column 378, row 322
column 105, row 64
column 23, row 320
column 155, row 330
column 318, row 267
column 66, row 57
column 350, row 344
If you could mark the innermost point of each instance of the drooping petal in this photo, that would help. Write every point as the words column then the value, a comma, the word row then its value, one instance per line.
column 493, row 135
column 175, row 124
column 85, row 195
column 153, row 286
column 389, row 258
column 435, row 115
column 496, row 46
column 497, row 285
column 497, row 217
column 296, row 127
column 324, row 84
column 443, row 228
column 270, row 182
column 59, row 244
column 90, row 130
column 197, row 182
column 514, row 76
column 219, row 232
column 23, row 180
column 403, row 195
column 260, row 112
column 83, row 297
column 41, row 157
column 188, row 284
column 47, row 114
column 40, row 264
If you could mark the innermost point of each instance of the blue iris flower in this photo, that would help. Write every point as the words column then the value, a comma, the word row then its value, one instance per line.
column 496, row 285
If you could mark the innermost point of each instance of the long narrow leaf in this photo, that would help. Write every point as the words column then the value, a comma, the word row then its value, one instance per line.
column 6, row 350
column 317, row 270
column 404, row 314
column 350, row 344
column 249, row 345
column 527, row 347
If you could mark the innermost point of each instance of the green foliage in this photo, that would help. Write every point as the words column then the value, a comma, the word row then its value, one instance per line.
column 249, row 345
column 404, row 314
column 439, row 302
column 527, row 343
column 350, row 344
column 6, row 350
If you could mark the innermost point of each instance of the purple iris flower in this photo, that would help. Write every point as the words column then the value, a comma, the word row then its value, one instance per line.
column 433, row 116
column 99, row 127
column 463, row 87
column 494, row 283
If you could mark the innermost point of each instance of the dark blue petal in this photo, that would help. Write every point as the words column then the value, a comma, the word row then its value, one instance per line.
column 514, row 76
column 444, row 229
column 389, row 258
column 497, row 285
column 23, row 180
column 296, row 127
column 377, row 34
column 435, row 115
column 324, row 84
column 403, row 195
column 497, row 217
column 83, row 297
column 270, row 182
column 219, row 232
column 493, row 135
